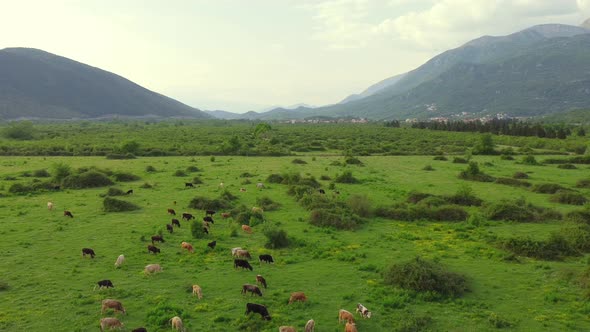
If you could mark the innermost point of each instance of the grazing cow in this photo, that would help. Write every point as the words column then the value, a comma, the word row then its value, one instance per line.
column 104, row 283
column 176, row 222
column 198, row 291
column 152, row 268
column 208, row 219
column 209, row 213
column 344, row 315
column 187, row 216
column 350, row 327
column 56, row 187
column 157, row 238
column 187, row 246
column 241, row 253
column 247, row 229
column 363, row 311
column 297, row 296
column 256, row 209
column 212, row 244
column 225, row 215
column 112, row 304
column 253, row 289
column 259, row 309
column 68, row 214
column 139, row 329
column 242, row 190
column 176, row 323
column 260, row 185
column 188, row 185
column 266, row 258
column 88, row 251
column 171, row 211
column 233, row 250
column 153, row 249
column 110, row 323
column 205, row 230
column 169, row 228
column 242, row 263
column 287, row 329
column 49, row 206
column 130, row 191
column 310, row 326
column 119, row 261
column 322, row 191
column 260, row 280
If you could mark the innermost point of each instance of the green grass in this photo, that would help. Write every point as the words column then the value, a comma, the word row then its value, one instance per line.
column 50, row 286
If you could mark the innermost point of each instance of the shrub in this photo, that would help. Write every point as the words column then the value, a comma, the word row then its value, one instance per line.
column 567, row 166
column 547, row 188
column 346, row 177
column 447, row 213
column 428, row 168
column 425, row 276
column 556, row 247
column 120, row 156
column 146, row 185
column 4, row 285
column 325, row 178
column 61, row 171
column 512, row 182
column 498, row 322
column 276, row 238
column 115, row 205
column 179, row 173
column 335, row 218
column 267, row 204
column 115, row 192
column 125, row 177
column 360, row 205
column 510, row 211
column 413, row 323
column 506, row 157
column 353, row 161
column 89, row 179
column 416, row 196
column 299, row 161
column 204, row 203
column 578, row 236
column 465, row 196
column 568, row 197
column 580, row 216
column 41, row 173
column 459, row 160
column 20, row 189
column 150, row 169
column 473, row 173
column 583, row 183
column 442, row 158
column 160, row 314
column 197, row 180
column 192, row 169
column 529, row 160
column 197, row 229
column 246, row 175
column 275, row 178
column 520, row 175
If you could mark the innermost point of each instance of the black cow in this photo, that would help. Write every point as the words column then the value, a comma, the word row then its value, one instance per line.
column 139, row 329
column 187, row 216
column 188, row 185
column 130, row 191
column 68, row 214
column 175, row 222
column 265, row 258
column 212, row 244
column 209, row 213
column 259, row 309
column 171, row 211
column 208, row 219
column 169, row 228
column 104, row 283
column 253, row 289
column 87, row 251
column 322, row 191
column 157, row 238
column 242, row 263
column 56, row 187
column 153, row 249
column 205, row 230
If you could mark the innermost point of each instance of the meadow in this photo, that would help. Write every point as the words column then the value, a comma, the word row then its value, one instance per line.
column 46, row 285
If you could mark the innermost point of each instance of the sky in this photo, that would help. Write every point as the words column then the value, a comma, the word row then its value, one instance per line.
column 241, row 55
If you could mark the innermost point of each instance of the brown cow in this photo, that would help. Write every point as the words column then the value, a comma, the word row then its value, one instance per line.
column 344, row 315
column 310, row 326
column 68, row 214
column 241, row 253
column 225, row 215
column 112, row 304
column 350, row 327
column 198, row 291
column 110, row 323
column 297, row 296
column 260, row 280
column 187, row 246
column 253, row 289
column 247, row 229
column 287, row 329
column 152, row 268
column 176, row 323
column 171, row 211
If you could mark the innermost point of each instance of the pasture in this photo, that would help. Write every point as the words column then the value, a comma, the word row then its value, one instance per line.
column 48, row 286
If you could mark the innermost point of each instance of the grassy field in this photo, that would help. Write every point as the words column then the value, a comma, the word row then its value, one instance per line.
column 50, row 286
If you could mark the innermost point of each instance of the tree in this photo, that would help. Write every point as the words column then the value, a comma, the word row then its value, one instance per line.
column 130, row 147
column 485, row 145
column 22, row 130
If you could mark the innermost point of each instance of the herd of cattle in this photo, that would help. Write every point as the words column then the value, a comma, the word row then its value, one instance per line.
column 241, row 260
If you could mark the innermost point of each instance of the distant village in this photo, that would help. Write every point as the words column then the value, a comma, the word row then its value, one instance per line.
column 463, row 116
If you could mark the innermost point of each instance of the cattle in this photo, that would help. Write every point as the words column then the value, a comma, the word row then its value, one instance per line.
column 139, row 329
column 310, row 326
column 209, row 212
column 350, row 327
column 110, row 323
column 187, row 216
column 56, row 187
column 104, row 283
column 205, row 230
column 187, row 246
column 129, row 192
column 208, row 219
column 153, row 249
column 242, row 190
column 363, row 311
column 322, row 191
column 112, row 304
column 188, row 185
column 212, row 244
column 176, row 323
column 247, row 229
column 242, row 263
column 241, row 253
column 256, row 209
column 260, row 185
column 198, row 291
column 287, row 329
column 266, row 258
column 172, row 212
column 49, row 206
column 233, row 250
column 176, row 222
column 297, row 296
column 169, row 228
column 225, row 215
column 119, row 261
column 88, row 251
column 253, row 289
column 259, row 309
column 152, row 268
column 157, row 238
column 260, row 280
column 68, row 214
column 344, row 315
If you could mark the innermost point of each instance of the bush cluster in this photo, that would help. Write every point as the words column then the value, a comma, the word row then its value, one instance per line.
column 116, row 205
column 115, row 192
column 225, row 201
column 547, row 188
column 520, row 211
column 88, row 179
column 276, row 238
column 125, row 177
column 520, row 175
column 346, row 177
column 583, row 183
column 423, row 211
column 513, row 182
column 567, row 166
column 473, row 173
column 568, row 197
column 556, row 247
column 267, row 204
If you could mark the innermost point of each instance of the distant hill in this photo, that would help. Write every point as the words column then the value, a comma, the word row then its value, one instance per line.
column 581, row 116
column 41, row 85
column 373, row 88
column 586, row 24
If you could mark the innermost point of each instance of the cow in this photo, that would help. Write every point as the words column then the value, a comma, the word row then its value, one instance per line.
column 287, row 329
column 344, row 315
column 241, row 253
column 187, row 216
column 259, row 309
column 157, row 238
column 153, row 249
column 225, row 215
column 198, row 291
column 242, row 190
column 139, row 329
column 212, row 244
column 172, row 212
column 208, row 219
column 112, row 304
column 322, row 191
column 176, row 222
column 350, row 327
column 233, row 250
column 310, row 326
column 68, row 214
column 169, row 228
column 209, row 213
column 187, row 246
column 260, row 280
column 176, row 323
column 242, row 263
column 49, row 206
column 152, row 268
column 129, row 192
column 110, row 323
column 88, row 251
column 266, row 258
column 253, row 289
column 56, row 187
column 119, row 261
column 256, row 209
column 260, row 185
column 104, row 283
column 188, row 185
column 205, row 230
column 297, row 296
column 363, row 311
column 247, row 229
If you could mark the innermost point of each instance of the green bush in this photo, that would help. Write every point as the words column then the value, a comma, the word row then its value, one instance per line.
column 267, row 204
column 197, row 180
column 416, row 196
column 115, row 205
column 555, row 248
column 510, row 211
column 335, row 218
column 513, row 182
column 579, row 216
column 179, row 172
column 276, row 238
column 353, row 161
column 204, row 203
column 473, row 173
column 20, row 189
column 192, row 169
column 506, row 157
column 275, row 178
column 464, row 196
column 547, row 188
column 428, row 168
column 520, row 175
column 299, row 161
column 61, row 171
column 583, row 183
column 150, row 169
column 247, row 175
column 441, row 158
column 325, row 178
column 115, row 192
column 41, row 173
column 360, row 205
column 125, row 177
column 568, row 197
column 120, row 156
column 448, row 213
column 160, row 314
column 89, row 179
column 529, row 160
column 346, row 177
column 567, row 166
column 197, row 229
column 459, row 160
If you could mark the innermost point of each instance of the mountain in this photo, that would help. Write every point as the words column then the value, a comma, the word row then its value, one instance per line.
column 373, row 88
column 38, row 84
column 271, row 113
column 586, row 24
column 218, row 114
